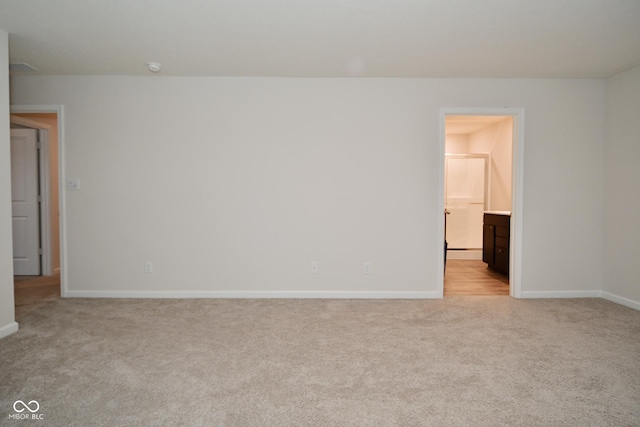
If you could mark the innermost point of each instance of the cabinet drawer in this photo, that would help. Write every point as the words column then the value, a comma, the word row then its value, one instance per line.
column 502, row 232
column 502, row 242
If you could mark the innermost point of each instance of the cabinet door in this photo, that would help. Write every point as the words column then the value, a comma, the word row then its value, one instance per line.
column 488, row 243
column 502, row 260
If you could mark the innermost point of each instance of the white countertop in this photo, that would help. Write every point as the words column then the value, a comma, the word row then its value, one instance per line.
column 499, row 212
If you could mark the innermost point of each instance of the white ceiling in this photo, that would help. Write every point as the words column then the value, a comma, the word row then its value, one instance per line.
column 326, row 38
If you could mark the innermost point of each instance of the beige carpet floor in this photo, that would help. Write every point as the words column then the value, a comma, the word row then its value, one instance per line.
column 460, row 361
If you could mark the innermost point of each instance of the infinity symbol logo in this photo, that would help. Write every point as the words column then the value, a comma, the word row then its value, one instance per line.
column 25, row 406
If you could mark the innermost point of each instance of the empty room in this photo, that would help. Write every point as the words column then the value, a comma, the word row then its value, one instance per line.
column 233, row 213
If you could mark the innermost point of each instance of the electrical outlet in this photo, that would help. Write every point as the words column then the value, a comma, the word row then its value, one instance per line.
column 148, row 267
column 314, row 267
column 367, row 268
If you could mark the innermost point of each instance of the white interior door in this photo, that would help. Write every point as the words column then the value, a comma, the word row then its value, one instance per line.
column 465, row 200
column 24, row 202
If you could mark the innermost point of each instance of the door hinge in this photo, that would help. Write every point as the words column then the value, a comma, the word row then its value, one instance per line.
column 39, row 145
column 40, row 251
column 39, row 198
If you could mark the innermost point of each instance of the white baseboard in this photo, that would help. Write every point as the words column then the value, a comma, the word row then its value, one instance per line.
column 8, row 329
column 584, row 294
column 561, row 294
column 621, row 300
column 255, row 294
column 451, row 254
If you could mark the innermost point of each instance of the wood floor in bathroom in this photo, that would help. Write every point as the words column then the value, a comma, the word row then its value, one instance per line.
column 472, row 277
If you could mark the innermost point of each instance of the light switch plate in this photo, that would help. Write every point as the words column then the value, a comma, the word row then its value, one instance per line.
column 73, row 183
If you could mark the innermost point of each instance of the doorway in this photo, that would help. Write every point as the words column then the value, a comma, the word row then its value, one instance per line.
column 47, row 283
column 481, row 172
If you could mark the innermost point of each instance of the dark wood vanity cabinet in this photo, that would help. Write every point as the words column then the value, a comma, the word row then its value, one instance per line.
column 495, row 242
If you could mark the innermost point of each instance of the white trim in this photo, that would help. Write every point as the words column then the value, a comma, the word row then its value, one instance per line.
column 59, row 110
column 8, row 329
column 44, row 187
column 621, row 300
column 517, row 176
column 440, row 222
column 561, row 294
column 517, row 202
column 45, row 207
column 254, row 294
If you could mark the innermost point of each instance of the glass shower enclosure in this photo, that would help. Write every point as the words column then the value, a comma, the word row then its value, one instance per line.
column 466, row 197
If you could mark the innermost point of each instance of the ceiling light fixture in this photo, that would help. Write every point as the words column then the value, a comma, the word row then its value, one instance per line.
column 154, row 67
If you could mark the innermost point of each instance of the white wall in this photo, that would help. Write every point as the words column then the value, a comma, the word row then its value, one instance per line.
column 7, row 312
column 236, row 184
column 497, row 140
column 456, row 143
column 622, row 177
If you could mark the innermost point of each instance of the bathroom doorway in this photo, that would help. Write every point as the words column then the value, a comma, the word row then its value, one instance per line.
column 478, row 178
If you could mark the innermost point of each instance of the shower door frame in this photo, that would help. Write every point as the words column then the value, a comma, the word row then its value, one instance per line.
column 487, row 180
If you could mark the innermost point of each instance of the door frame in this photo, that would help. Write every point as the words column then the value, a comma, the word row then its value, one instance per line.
column 59, row 110
column 44, row 208
column 487, row 178
column 517, row 189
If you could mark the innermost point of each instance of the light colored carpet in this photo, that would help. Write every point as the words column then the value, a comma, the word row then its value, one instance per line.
column 461, row 361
